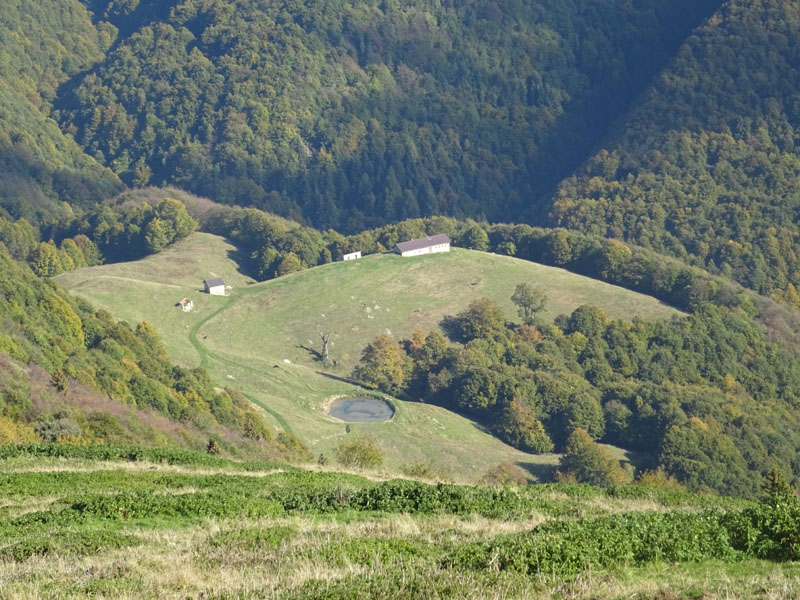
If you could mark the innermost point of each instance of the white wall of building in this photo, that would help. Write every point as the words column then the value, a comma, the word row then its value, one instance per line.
column 352, row 256
column 428, row 250
column 217, row 290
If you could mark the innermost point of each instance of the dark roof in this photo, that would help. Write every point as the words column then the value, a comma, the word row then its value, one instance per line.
column 214, row 282
column 435, row 240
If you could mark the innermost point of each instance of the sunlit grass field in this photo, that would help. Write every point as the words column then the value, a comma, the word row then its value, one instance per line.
column 262, row 337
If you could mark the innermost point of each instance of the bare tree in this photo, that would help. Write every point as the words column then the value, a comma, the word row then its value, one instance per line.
column 325, row 336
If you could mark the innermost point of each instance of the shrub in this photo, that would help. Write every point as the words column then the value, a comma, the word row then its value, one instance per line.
column 504, row 474
column 294, row 445
column 362, row 452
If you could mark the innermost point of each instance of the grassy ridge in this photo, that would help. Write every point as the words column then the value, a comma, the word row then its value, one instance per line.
column 189, row 525
column 247, row 338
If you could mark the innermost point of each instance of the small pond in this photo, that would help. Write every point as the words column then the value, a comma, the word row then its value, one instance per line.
column 362, row 409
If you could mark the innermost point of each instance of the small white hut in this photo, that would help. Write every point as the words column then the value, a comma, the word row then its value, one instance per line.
column 215, row 286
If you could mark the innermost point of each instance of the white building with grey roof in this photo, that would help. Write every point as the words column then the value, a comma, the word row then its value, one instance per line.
column 428, row 245
column 215, row 286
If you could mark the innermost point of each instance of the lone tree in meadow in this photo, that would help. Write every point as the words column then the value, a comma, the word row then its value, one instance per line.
column 529, row 301
column 325, row 343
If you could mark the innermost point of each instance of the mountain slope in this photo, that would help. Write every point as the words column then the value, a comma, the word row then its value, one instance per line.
column 707, row 166
column 247, row 338
column 354, row 114
column 42, row 44
column 71, row 374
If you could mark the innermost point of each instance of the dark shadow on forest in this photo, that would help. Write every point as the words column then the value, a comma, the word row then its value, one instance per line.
column 449, row 325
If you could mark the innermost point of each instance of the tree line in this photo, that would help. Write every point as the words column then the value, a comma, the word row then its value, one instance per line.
column 708, row 397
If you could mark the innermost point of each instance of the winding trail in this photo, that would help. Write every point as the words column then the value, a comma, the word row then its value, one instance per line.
column 206, row 356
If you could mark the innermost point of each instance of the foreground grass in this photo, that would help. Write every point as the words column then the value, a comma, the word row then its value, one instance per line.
column 261, row 338
column 190, row 527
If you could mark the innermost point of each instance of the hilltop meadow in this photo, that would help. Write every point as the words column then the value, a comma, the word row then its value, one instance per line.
column 262, row 338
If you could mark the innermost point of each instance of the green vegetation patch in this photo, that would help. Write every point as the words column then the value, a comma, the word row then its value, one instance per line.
column 378, row 552
column 251, row 539
column 70, row 541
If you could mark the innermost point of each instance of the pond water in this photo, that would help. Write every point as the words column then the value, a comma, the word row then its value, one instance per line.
column 361, row 410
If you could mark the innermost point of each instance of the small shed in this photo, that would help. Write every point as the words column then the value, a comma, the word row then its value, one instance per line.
column 215, row 286
column 185, row 305
column 428, row 245
column 352, row 256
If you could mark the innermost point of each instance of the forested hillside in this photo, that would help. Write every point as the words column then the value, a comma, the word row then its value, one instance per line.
column 42, row 44
column 707, row 398
column 354, row 114
column 71, row 374
column 707, row 166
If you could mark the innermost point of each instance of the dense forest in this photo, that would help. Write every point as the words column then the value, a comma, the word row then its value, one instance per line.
column 42, row 44
column 706, row 167
column 707, row 398
column 342, row 115
column 354, row 115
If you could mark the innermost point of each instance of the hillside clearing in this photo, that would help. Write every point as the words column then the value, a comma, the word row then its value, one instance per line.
column 262, row 338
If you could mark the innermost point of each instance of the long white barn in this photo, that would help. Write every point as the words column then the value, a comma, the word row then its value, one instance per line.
column 428, row 245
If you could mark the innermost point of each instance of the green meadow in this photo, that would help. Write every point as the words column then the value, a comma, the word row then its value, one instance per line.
column 262, row 337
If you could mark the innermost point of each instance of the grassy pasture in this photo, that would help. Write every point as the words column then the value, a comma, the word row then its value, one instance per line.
column 261, row 338
column 77, row 528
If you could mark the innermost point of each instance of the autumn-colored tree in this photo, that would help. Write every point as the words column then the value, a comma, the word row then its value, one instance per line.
column 290, row 263
column 518, row 426
column 383, row 365
column 156, row 235
column 483, row 318
column 63, row 318
column 213, row 448
column 45, row 260
column 174, row 212
column 60, row 381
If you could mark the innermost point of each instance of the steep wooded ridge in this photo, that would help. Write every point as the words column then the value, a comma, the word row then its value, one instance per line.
column 707, row 166
column 353, row 114
column 42, row 44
